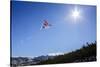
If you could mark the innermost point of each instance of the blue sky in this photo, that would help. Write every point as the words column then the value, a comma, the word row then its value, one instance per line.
column 64, row 35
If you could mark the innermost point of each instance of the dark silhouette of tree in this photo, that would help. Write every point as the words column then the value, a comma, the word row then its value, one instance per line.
column 85, row 54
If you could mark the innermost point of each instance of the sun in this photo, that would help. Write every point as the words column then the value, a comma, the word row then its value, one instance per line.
column 75, row 14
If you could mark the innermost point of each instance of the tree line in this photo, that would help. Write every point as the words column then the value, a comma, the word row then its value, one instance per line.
column 85, row 54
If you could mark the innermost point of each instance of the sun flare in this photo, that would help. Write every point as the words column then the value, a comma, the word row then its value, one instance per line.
column 75, row 14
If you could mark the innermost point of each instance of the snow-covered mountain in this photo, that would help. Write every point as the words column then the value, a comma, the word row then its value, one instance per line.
column 29, row 61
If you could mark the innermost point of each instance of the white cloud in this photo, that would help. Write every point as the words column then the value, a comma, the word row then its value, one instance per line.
column 55, row 54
